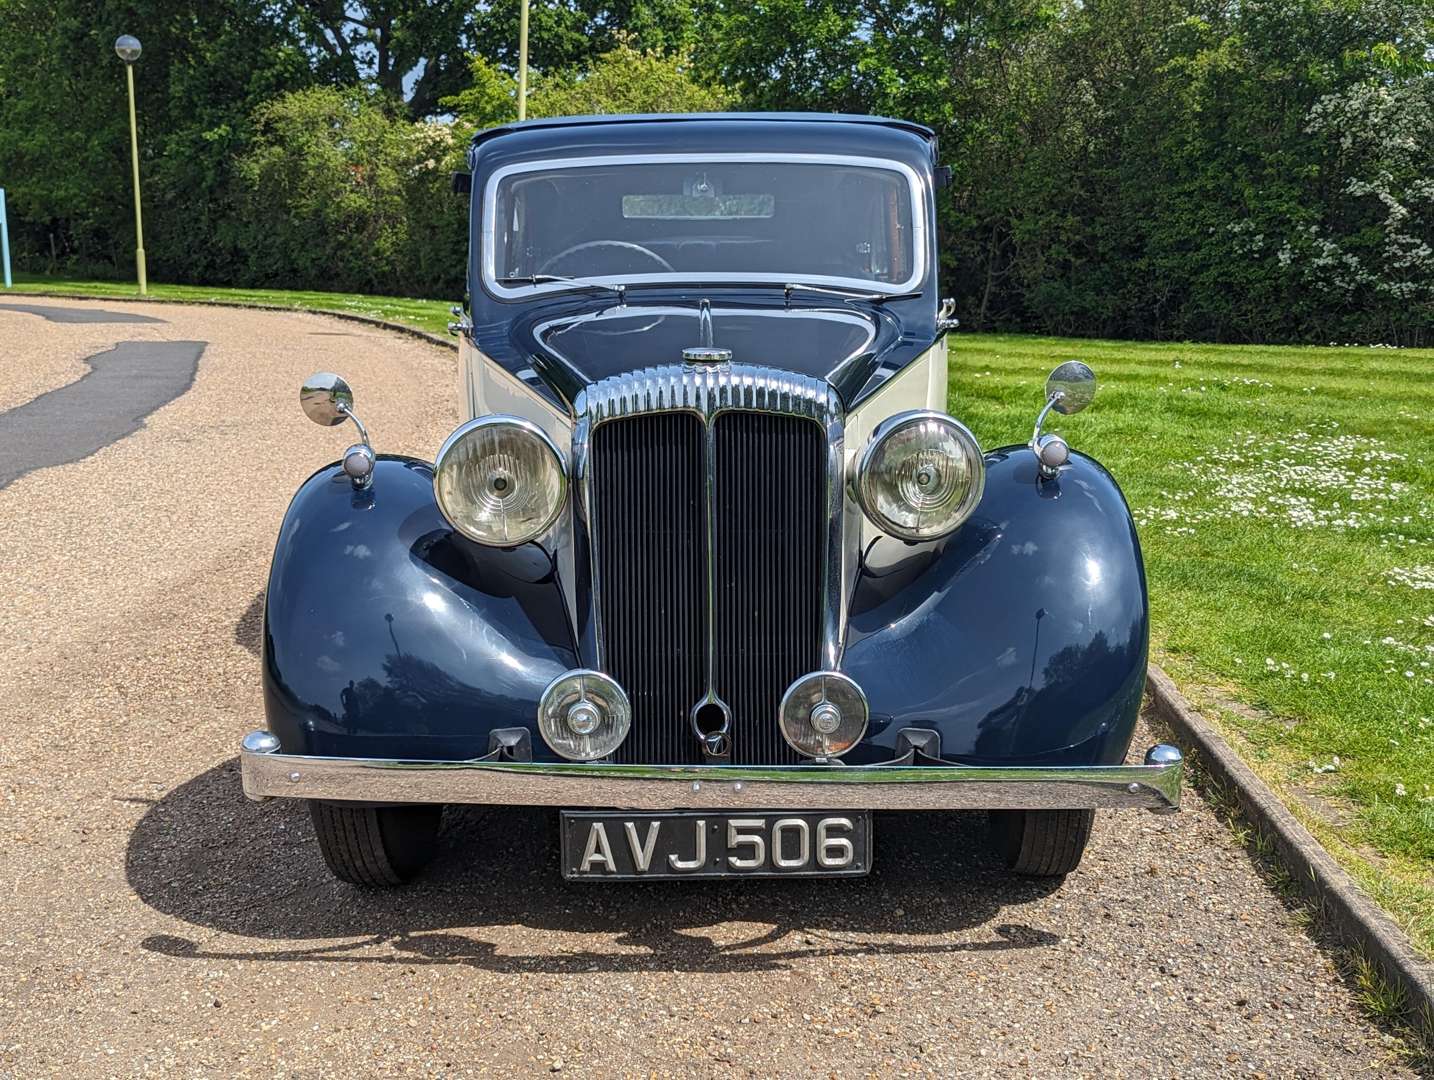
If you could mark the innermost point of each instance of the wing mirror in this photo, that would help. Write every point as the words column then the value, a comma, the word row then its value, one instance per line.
column 1069, row 389
column 328, row 401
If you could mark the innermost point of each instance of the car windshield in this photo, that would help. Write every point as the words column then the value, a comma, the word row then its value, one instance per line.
column 702, row 219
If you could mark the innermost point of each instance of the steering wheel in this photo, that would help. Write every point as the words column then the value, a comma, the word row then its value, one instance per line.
column 623, row 245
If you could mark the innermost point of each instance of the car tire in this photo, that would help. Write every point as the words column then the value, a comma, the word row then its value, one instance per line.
column 376, row 845
column 1041, row 843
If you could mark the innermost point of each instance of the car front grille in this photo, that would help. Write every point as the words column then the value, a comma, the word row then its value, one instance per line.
column 650, row 513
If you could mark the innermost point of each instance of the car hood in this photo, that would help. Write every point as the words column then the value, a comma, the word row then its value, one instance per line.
column 845, row 344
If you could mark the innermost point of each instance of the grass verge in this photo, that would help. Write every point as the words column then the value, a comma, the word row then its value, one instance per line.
column 1285, row 509
column 430, row 315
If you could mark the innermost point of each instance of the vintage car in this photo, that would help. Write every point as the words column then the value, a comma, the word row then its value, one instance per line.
column 707, row 565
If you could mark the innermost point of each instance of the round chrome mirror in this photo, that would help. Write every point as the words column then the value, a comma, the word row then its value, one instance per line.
column 1071, row 387
column 326, row 399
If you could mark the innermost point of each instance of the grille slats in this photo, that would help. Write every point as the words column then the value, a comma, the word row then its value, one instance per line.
column 649, row 501
column 771, row 491
column 648, row 519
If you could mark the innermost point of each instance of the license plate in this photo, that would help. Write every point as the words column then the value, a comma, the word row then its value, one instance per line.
column 614, row 846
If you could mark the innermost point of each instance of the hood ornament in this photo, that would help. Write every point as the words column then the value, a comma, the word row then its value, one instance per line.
column 706, row 354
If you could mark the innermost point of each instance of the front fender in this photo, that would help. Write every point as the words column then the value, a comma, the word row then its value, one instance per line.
column 1023, row 637
column 386, row 634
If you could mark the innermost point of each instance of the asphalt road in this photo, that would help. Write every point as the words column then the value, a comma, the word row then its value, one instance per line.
column 156, row 923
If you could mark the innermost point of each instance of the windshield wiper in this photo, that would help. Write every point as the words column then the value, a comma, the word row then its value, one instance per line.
column 787, row 289
column 847, row 294
column 543, row 279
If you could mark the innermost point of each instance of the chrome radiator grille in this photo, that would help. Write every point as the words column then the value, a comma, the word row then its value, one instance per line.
column 762, row 531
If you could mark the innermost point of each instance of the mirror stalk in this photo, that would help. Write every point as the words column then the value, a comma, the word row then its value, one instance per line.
column 327, row 400
column 1069, row 389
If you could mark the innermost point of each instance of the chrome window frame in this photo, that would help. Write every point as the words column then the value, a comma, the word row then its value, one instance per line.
column 488, row 232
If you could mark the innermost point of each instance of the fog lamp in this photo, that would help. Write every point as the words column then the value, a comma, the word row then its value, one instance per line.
column 584, row 715
column 500, row 480
column 823, row 715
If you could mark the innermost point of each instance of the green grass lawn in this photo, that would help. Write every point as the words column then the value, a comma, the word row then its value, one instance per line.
column 1286, row 507
column 430, row 315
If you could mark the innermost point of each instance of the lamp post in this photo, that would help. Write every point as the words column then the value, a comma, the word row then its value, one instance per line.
column 127, row 48
column 523, row 61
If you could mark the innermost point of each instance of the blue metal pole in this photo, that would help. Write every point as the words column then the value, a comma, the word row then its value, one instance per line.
column 5, row 237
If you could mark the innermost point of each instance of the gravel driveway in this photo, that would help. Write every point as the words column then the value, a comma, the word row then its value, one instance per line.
column 155, row 922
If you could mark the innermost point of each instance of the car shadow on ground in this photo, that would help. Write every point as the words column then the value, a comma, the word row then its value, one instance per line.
column 205, row 855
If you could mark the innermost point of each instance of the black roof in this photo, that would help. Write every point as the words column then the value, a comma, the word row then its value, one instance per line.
column 714, row 118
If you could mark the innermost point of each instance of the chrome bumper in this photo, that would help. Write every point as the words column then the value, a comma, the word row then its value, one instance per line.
column 1152, row 786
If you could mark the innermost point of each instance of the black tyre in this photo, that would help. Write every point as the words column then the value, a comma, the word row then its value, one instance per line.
column 1042, row 843
column 376, row 845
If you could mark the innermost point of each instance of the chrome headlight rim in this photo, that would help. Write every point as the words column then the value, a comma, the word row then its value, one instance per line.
column 891, row 426
column 528, row 428
column 610, row 716
column 857, row 704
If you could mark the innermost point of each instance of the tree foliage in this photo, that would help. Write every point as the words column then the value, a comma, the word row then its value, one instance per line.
column 342, row 191
column 1261, row 170
column 625, row 80
column 1252, row 171
column 64, row 129
column 413, row 49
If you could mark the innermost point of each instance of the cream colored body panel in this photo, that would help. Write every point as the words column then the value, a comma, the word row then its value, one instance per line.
column 486, row 387
column 920, row 385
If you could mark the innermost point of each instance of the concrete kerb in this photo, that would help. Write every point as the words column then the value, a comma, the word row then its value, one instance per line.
column 1345, row 906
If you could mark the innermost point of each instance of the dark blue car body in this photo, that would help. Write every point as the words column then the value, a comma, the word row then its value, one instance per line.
column 1020, row 638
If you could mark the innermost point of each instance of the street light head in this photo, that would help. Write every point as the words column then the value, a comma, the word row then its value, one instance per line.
column 127, row 48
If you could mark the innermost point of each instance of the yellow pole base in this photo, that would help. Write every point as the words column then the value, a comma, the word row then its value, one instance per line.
column 139, row 265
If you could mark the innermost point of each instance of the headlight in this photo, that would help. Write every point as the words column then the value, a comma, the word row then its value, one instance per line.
column 500, row 480
column 920, row 476
column 584, row 715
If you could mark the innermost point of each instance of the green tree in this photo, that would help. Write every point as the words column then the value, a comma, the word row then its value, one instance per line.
column 412, row 50
column 571, row 33
column 343, row 191
column 1166, row 168
column 64, row 131
column 625, row 80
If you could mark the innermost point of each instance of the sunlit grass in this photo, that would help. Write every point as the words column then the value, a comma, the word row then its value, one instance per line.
column 430, row 315
column 1286, row 506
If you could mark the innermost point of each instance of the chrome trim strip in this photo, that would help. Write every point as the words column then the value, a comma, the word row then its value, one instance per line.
column 709, row 536
column 836, row 587
column 709, row 391
column 917, row 188
column 590, row 639
column 678, row 787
